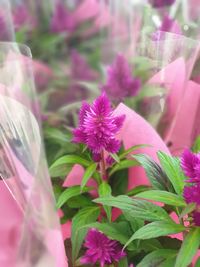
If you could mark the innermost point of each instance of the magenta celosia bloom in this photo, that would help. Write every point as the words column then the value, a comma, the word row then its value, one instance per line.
column 80, row 69
column 62, row 20
column 98, row 126
column 120, row 82
column 101, row 249
column 23, row 18
column 190, row 163
column 161, row 3
column 192, row 194
column 167, row 24
column 196, row 218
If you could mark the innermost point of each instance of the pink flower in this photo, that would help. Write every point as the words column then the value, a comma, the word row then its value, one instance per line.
column 62, row 19
column 98, row 126
column 190, row 163
column 101, row 249
column 161, row 3
column 22, row 18
column 191, row 194
column 120, row 82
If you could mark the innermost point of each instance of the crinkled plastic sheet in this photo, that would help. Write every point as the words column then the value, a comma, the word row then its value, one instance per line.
column 6, row 25
column 29, row 225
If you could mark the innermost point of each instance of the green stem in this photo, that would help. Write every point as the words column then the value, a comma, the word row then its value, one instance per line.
column 103, row 166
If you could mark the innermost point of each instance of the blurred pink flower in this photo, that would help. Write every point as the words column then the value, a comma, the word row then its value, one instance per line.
column 170, row 25
column 161, row 3
column 120, row 81
column 62, row 20
column 43, row 74
column 23, row 19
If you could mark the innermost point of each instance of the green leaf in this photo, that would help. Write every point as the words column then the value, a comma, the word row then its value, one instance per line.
column 138, row 189
column 56, row 135
column 134, row 223
column 189, row 248
column 164, row 197
column 155, row 258
column 82, row 218
column 104, row 191
column 155, row 174
column 69, row 193
column 131, row 149
column 197, row 264
column 124, row 164
column 123, row 262
column 115, row 157
column 80, row 201
column 70, row 160
column 171, row 166
column 119, row 182
column 60, row 171
column 156, row 229
column 188, row 209
column 88, row 174
column 137, row 208
column 63, row 165
column 196, row 146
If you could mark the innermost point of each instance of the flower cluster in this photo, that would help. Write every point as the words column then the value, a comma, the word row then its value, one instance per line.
column 101, row 249
column 190, row 164
column 62, row 19
column 98, row 126
column 161, row 3
column 120, row 82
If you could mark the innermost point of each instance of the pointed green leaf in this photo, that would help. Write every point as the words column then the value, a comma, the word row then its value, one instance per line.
column 154, row 172
column 156, row 229
column 82, row 218
column 188, row 209
column 189, row 248
column 171, row 166
column 138, row 189
column 124, row 164
column 69, row 193
column 88, row 174
column 70, row 160
column 156, row 258
column 131, row 149
column 115, row 157
column 104, row 191
column 137, row 208
column 164, row 197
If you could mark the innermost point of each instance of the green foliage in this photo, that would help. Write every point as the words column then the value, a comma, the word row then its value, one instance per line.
column 104, row 191
column 154, row 172
column 156, row 229
column 171, row 166
column 82, row 218
column 189, row 248
column 196, row 145
column 164, row 197
column 137, row 208
column 69, row 193
column 119, row 182
column 88, row 174
column 66, row 163
column 158, row 258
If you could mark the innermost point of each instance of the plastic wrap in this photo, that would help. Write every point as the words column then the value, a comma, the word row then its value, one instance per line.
column 29, row 225
column 6, row 26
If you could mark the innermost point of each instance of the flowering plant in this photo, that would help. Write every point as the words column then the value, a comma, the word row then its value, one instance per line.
column 153, row 224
